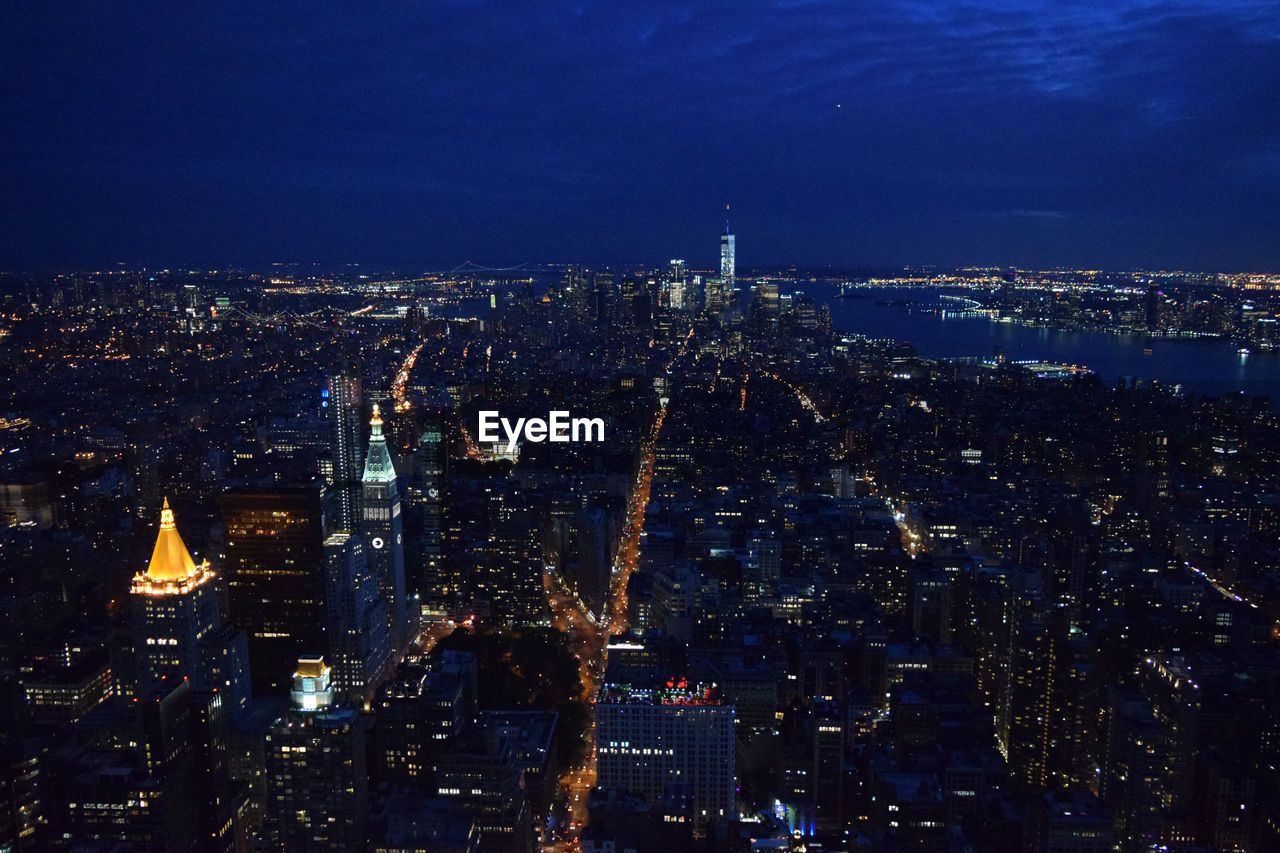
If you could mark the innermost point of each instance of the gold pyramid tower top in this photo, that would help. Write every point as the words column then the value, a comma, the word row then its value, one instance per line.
column 171, row 569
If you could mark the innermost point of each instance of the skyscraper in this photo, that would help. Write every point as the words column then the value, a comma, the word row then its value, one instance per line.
column 175, row 606
column 382, row 527
column 275, row 575
column 316, row 768
column 23, row 791
column 342, row 401
column 359, row 640
column 165, row 712
column 604, row 298
column 417, row 717
column 1133, row 769
column 1152, row 307
column 1174, row 697
column 716, row 295
column 178, row 630
column 220, row 802
column 1025, row 718
column 765, row 563
column 676, row 294
column 727, row 266
column 509, row 565
column 765, row 307
column 176, row 792
column 184, row 749
column 672, row 741
column 428, row 478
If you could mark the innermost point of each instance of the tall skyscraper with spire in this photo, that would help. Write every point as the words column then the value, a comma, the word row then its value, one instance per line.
column 175, row 606
column 381, row 526
column 177, row 624
column 727, row 266
column 342, row 402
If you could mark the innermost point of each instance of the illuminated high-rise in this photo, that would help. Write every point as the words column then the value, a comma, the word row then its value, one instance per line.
column 766, row 306
column 509, row 566
column 716, row 295
column 175, row 607
column 727, row 262
column 383, row 529
column 275, row 575
column 1024, row 719
column 676, row 294
column 342, row 401
column 425, row 495
column 178, row 630
column 1174, row 697
column 359, row 643
column 673, row 740
column 315, row 756
column 182, row 646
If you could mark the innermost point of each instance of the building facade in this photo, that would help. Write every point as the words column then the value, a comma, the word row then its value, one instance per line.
column 382, row 526
column 275, row 575
column 316, row 778
column 342, row 399
column 359, row 641
column 676, row 741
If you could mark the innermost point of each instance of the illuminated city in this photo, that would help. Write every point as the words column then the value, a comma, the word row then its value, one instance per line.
column 368, row 482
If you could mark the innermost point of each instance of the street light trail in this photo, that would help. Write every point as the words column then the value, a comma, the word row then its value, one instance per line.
column 402, row 378
column 577, row 782
column 801, row 396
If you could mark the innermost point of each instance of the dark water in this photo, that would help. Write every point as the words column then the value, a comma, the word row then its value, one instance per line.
column 462, row 309
column 1200, row 366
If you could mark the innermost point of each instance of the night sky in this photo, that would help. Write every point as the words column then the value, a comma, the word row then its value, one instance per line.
column 1112, row 134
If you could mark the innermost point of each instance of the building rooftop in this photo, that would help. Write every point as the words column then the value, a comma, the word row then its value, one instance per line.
column 674, row 692
column 170, row 560
column 171, row 569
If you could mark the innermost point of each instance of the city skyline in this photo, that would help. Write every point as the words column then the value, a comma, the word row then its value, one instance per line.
column 814, row 585
column 400, row 454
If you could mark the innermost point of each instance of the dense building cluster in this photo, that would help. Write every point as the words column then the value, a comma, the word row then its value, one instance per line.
column 1240, row 308
column 811, row 591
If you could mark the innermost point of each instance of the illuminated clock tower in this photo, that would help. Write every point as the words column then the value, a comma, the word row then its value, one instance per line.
column 381, row 526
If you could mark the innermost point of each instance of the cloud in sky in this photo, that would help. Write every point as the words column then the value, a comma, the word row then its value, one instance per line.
column 842, row 131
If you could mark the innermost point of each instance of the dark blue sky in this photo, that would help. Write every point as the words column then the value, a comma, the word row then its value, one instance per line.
column 1113, row 133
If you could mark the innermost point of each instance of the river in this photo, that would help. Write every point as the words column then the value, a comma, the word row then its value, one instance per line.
column 1200, row 366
